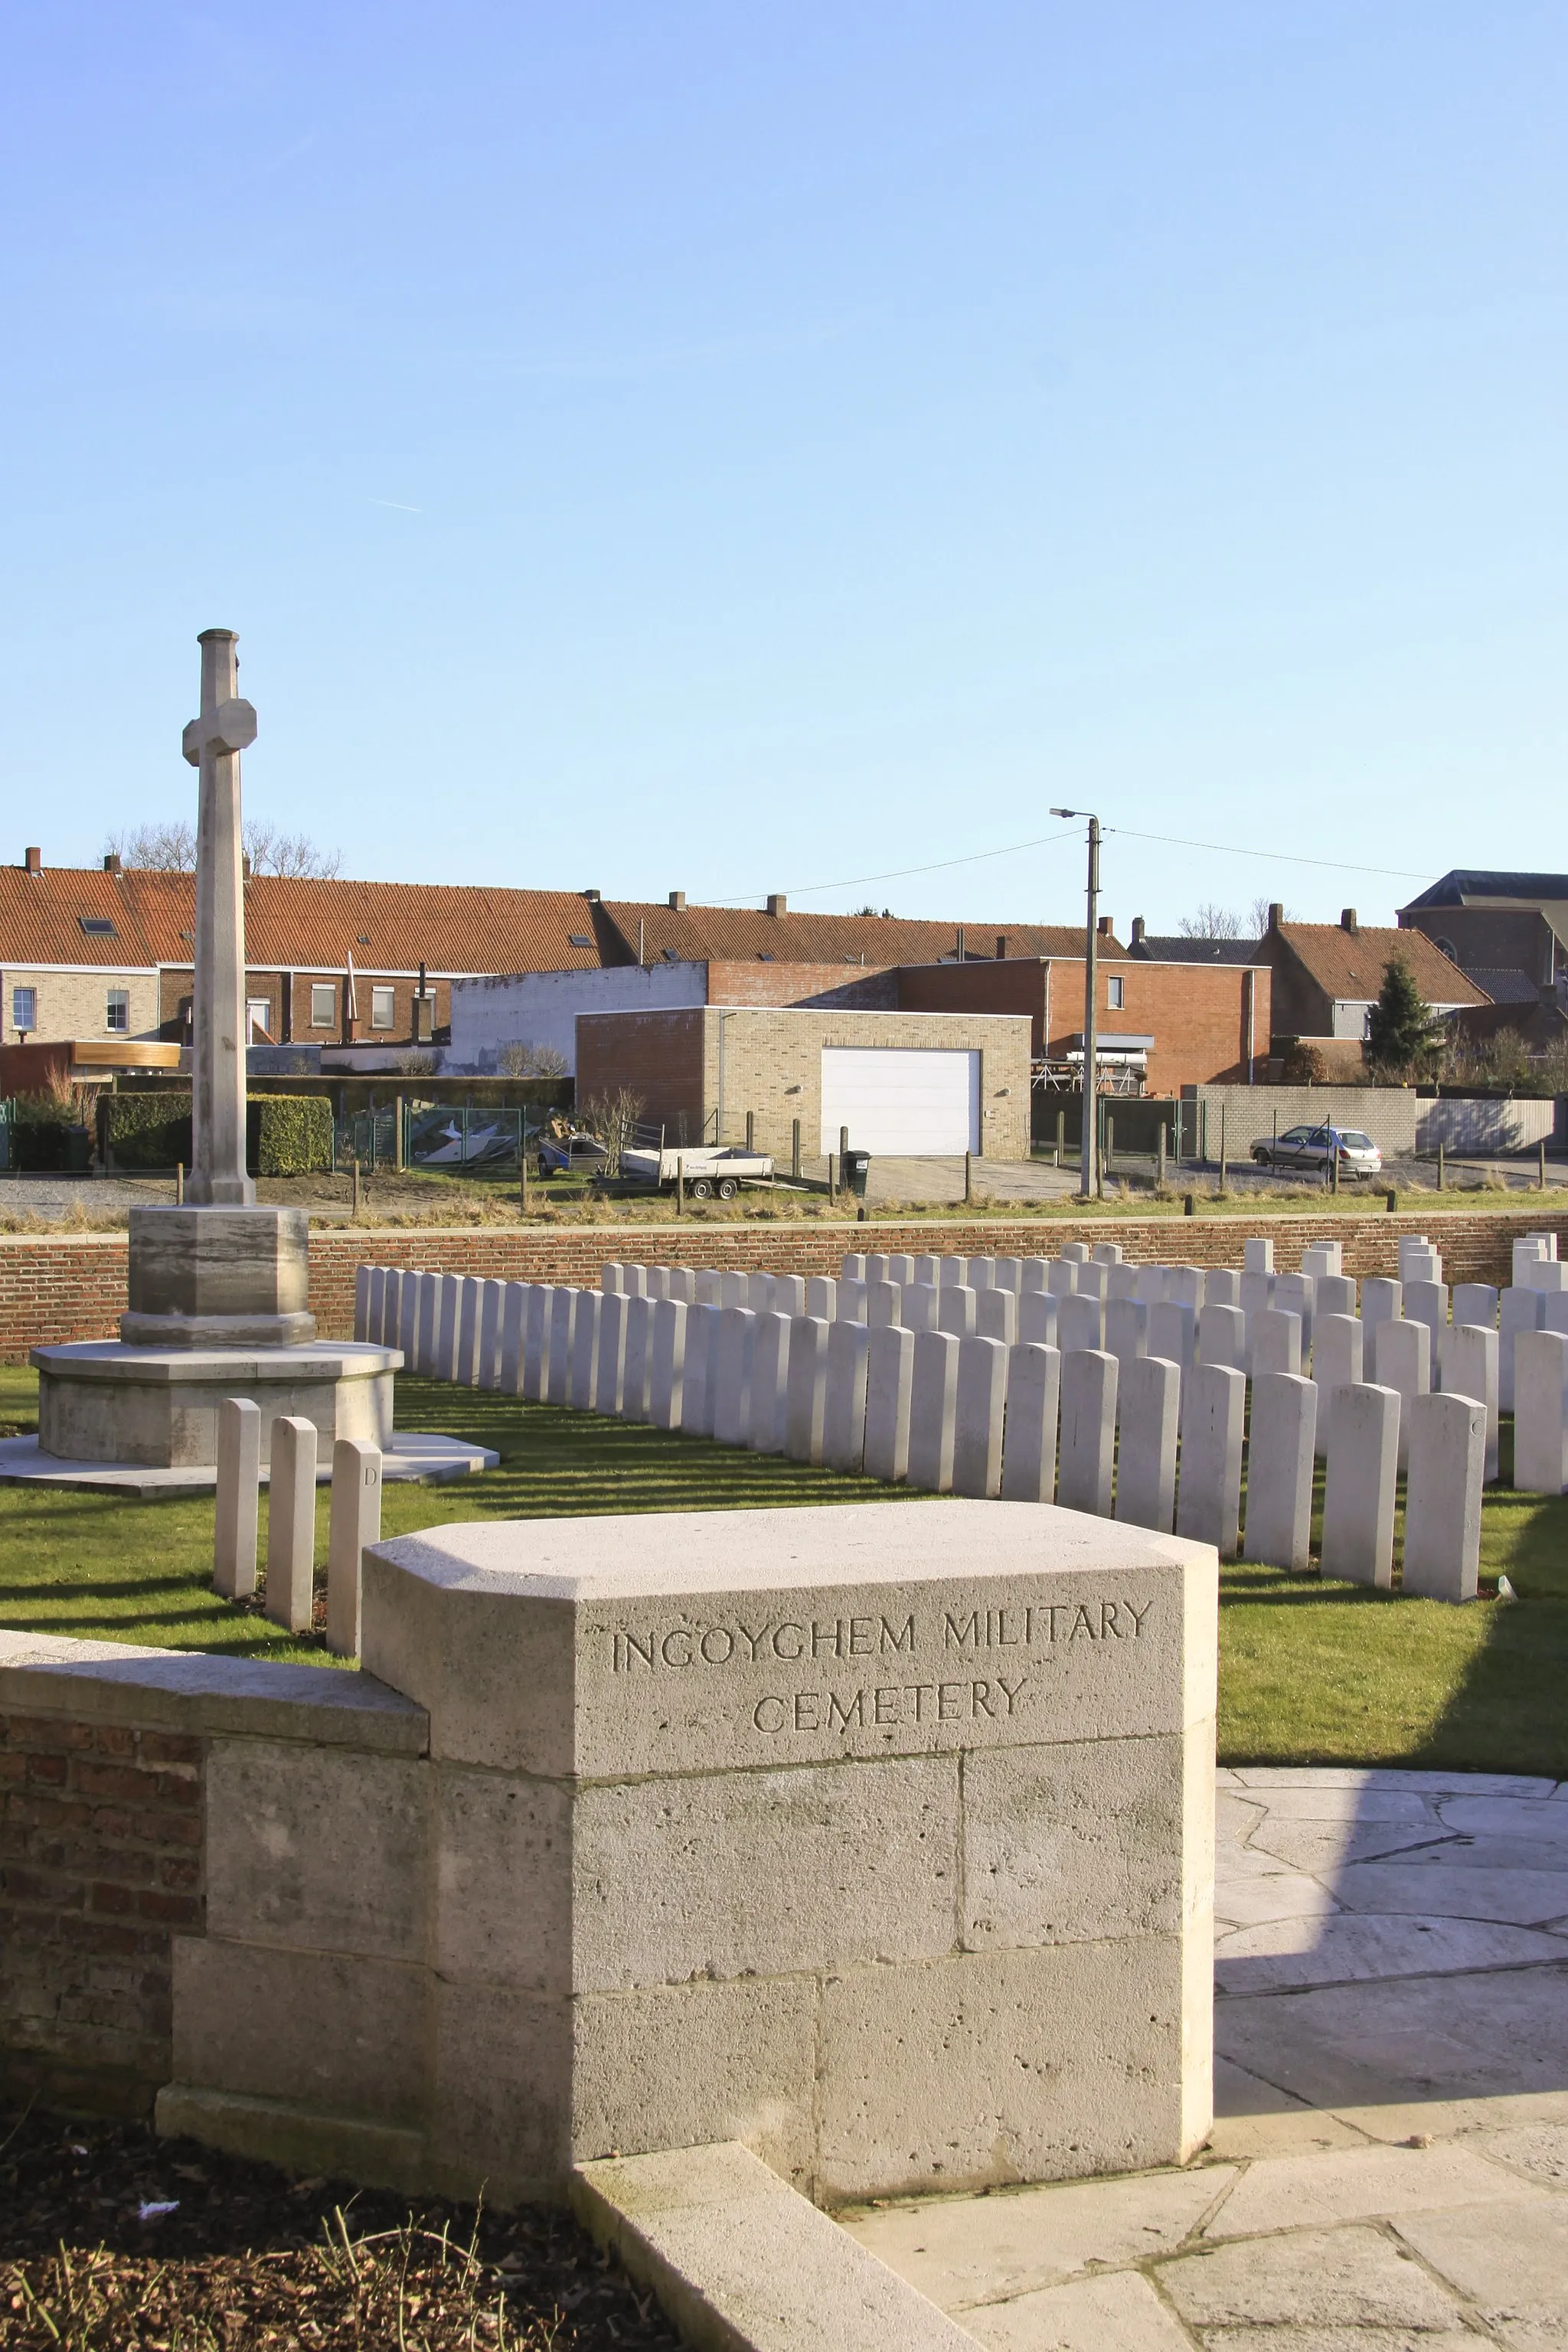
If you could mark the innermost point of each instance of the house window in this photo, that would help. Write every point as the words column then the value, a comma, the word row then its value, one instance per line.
column 1115, row 993
column 117, row 1013
column 324, row 1005
column 383, row 1008
column 1447, row 947
column 23, row 1008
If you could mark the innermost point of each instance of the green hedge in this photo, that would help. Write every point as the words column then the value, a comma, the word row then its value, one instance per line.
column 289, row 1135
column 285, row 1134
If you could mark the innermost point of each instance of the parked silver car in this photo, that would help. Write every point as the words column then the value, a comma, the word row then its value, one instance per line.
column 1314, row 1146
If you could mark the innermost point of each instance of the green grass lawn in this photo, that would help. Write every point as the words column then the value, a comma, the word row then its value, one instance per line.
column 1309, row 1672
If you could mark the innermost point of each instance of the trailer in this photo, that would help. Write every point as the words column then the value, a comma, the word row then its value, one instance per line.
column 709, row 1171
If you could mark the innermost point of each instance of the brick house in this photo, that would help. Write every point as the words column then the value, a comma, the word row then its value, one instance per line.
column 1327, row 976
column 901, row 1082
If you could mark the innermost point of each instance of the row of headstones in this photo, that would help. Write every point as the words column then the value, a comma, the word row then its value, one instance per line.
column 975, row 1412
column 1305, row 1324
column 355, row 1519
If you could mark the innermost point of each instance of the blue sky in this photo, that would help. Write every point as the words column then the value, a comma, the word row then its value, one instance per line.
column 753, row 447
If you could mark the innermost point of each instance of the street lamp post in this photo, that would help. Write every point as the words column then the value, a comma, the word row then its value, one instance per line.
column 1089, row 1181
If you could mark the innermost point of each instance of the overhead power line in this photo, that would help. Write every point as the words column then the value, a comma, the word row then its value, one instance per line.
column 1014, row 849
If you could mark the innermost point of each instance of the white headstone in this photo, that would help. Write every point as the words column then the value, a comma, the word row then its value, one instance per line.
column 448, row 1328
column 366, row 1288
column 1106, row 1253
column 955, row 1309
column 699, row 1385
column 1362, row 1457
column 1037, row 1316
column 789, row 1294
column 770, row 1382
column 1475, row 1302
column 492, row 1305
column 634, row 1280
column 1402, row 1360
column 1150, row 1396
column 1296, row 1294
column 408, row 1314
column 917, row 1307
column 1382, row 1301
column 1088, row 1431
column 1121, row 1282
column 1276, row 1343
column 1222, row 1336
column 610, row 1276
column 1186, row 1286
column 1222, row 1288
column 1541, row 1412
column 558, row 1346
column 1030, row 1434
column 928, row 1268
column 1517, row 1310
column 996, row 1315
column 1442, row 1498
column 1150, row 1285
column 844, row 1413
column 636, row 1366
column 978, row 1409
column 1279, row 1465
column 1323, row 1258
column 514, row 1335
column 609, row 1371
column 1173, row 1333
column 1126, row 1331
column 667, row 1380
column 1061, row 1277
column 710, row 1289
column 1427, row 1302
column 537, row 1319
column 982, row 1273
column 470, row 1308
column 291, row 1524
column 1469, row 1369
column 1257, row 1255
column 355, row 1521
column 882, row 1303
column 1076, row 1253
column 1008, row 1275
column 731, row 1377
column 853, row 1267
column 239, row 1485
column 901, row 1268
column 1214, row 1414
column 807, row 1392
column 586, row 1348
column 1080, row 1323
column 1335, row 1294
column 734, row 1288
column 889, row 1379
column 759, row 1293
column 1337, row 1362
column 933, row 1402
column 822, row 1298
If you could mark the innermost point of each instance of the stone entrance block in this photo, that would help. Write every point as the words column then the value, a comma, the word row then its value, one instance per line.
column 886, row 1849
column 218, row 1278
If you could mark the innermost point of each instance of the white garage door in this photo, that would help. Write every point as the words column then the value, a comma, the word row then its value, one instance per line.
column 893, row 1099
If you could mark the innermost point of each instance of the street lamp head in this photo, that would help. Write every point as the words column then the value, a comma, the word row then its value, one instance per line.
column 1067, row 812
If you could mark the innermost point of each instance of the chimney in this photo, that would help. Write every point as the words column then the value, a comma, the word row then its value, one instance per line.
column 1105, row 926
column 1001, row 947
column 111, row 862
column 1276, row 914
column 1137, row 930
column 961, row 943
column 678, row 901
column 591, row 896
column 1348, row 921
column 244, row 866
column 35, row 861
column 777, row 903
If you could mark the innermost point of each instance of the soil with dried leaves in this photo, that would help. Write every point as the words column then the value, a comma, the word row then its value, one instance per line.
column 114, row 2241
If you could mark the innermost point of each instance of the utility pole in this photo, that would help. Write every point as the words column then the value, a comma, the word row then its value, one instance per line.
column 1089, row 1181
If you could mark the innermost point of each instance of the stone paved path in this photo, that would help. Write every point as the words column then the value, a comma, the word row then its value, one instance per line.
column 1389, row 2168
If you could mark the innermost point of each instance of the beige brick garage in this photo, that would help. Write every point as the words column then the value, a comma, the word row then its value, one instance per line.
column 698, row 1070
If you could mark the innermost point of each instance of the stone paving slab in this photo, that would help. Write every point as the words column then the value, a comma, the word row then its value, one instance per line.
column 1389, row 2162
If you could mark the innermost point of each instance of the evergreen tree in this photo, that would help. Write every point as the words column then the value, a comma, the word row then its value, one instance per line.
column 1404, row 1036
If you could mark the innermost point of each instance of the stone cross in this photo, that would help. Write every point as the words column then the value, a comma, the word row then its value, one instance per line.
column 213, row 744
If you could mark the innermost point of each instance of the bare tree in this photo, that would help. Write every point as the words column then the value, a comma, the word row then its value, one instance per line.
column 170, row 848
column 1210, row 922
column 610, row 1119
column 519, row 1059
column 294, row 855
column 1257, row 915
column 164, row 848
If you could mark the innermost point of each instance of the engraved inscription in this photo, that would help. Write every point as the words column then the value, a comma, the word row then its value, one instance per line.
column 981, row 1665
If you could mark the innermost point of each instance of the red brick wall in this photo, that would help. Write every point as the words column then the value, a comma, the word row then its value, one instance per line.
column 1196, row 1013
column 659, row 1055
column 55, row 1289
column 871, row 987
column 101, row 1862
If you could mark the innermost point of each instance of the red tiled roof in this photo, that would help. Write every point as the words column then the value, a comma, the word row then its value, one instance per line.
column 700, row 933
column 1348, row 965
column 384, row 925
column 396, row 926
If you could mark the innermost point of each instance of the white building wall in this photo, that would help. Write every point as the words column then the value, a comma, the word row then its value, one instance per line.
column 541, row 1008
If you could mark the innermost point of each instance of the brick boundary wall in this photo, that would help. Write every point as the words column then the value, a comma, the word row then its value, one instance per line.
column 100, row 1863
column 55, row 1287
